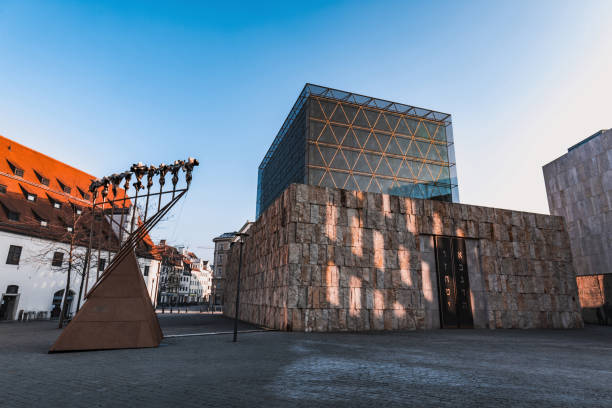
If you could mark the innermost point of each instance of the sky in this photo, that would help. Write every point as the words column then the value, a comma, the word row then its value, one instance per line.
column 101, row 85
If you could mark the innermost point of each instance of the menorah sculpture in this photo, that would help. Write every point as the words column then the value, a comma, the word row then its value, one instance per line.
column 118, row 312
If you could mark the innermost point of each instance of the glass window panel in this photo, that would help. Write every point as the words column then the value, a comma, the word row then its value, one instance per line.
column 431, row 128
column 361, row 120
column 440, row 133
column 315, row 129
column 328, row 153
column 372, row 144
column 339, row 178
column 413, row 150
column 402, row 128
column 385, row 184
column 374, row 187
column 426, row 174
column 362, row 165
column 392, row 120
column 350, row 140
column 393, row 147
column 339, row 116
column 382, row 124
column 327, row 181
column 415, row 167
column 350, row 112
column 423, row 147
column 433, row 153
column 395, row 164
column 361, row 135
column 340, row 132
column 315, row 109
column 328, row 107
column 327, row 136
column 403, row 143
column 421, row 132
column 384, row 168
column 373, row 160
column 351, row 184
column 444, row 175
column 351, row 157
column 405, row 171
column 339, row 162
column 435, row 171
column 372, row 117
column 443, row 151
column 362, row 181
column 383, row 140
column 412, row 124
column 314, row 156
column 314, row 176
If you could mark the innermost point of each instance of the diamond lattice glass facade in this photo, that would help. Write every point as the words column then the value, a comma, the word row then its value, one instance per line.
column 343, row 140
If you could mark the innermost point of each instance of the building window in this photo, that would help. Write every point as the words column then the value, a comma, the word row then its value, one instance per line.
column 58, row 258
column 101, row 264
column 79, row 211
column 43, row 223
column 12, row 215
column 56, row 204
column 146, row 270
column 69, row 229
column 31, row 197
column 13, row 255
column 44, row 181
column 66, row 189
column 18, row 172
column 2, row 188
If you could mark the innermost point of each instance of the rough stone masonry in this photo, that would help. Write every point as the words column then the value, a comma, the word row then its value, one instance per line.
column 323, row 259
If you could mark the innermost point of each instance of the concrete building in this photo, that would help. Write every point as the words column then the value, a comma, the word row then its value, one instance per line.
column 44, row 214
column 222, row 247
column 579, row 188
column 374, row 238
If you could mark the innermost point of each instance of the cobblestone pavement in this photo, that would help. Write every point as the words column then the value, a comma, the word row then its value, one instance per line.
column 442, row 368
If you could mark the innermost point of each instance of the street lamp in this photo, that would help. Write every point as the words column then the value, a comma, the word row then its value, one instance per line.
column 240, row 235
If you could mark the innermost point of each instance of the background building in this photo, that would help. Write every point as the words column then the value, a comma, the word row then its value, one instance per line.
column 579, row 188
column 44, row 217
column 222, row 246
column 338, row 139
column 185, row 278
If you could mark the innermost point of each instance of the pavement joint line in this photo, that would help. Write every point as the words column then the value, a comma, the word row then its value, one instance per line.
column 214, row 333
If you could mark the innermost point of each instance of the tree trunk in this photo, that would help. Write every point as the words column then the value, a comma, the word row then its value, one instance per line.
column 85, row 275
column 65, row 300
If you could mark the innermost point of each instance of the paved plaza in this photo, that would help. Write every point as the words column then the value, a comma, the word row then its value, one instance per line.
column 442, row 368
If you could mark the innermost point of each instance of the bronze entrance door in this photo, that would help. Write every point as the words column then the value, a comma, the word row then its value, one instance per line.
column 453, row 283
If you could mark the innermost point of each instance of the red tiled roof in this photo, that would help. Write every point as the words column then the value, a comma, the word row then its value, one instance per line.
column 58, row 178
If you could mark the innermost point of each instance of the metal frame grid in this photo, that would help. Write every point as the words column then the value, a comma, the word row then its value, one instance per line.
column 311, row 91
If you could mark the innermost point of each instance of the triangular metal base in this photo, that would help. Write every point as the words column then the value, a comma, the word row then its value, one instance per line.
column 117, row 314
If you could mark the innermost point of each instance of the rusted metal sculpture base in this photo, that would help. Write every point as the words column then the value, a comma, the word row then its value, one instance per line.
column 118, row 314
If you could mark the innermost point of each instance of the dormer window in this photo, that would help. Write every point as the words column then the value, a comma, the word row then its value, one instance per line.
column 18, row 171
column 64, row 187
column 43, row 180
column 84, row 194
column 31, row 197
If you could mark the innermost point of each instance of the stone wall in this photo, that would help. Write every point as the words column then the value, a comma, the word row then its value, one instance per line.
column 579, row 188
column 323, row 259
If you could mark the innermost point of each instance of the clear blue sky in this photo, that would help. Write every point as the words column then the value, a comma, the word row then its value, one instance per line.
column 101, row 85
